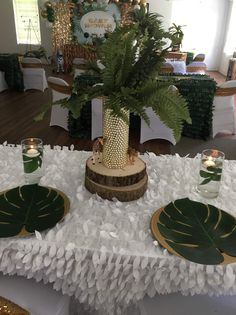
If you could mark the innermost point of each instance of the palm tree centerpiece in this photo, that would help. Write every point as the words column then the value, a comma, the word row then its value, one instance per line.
column 131, row 58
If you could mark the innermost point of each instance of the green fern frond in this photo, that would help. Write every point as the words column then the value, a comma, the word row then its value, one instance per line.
column 132, row 56
column 168, row 113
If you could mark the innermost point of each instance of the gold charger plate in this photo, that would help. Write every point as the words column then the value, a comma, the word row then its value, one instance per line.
column 166, row 243
column 8, row 307
column 52, row 208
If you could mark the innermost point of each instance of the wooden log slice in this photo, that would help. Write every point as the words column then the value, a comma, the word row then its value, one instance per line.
column 125, row 193
column 129, row 175
column 127, row 184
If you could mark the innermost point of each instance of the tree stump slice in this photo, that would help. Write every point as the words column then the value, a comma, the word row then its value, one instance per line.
column 127, row 184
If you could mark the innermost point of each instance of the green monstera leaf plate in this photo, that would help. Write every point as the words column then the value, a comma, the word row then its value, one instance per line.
column 195, row 231
column 30, row 208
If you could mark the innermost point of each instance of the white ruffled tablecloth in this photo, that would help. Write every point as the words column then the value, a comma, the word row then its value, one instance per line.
column 103, row 252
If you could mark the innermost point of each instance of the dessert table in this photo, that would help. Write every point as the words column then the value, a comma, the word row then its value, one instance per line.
column 103, row 253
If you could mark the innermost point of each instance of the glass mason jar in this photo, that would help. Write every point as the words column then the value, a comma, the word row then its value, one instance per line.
column 210, row 173
column 32, row 155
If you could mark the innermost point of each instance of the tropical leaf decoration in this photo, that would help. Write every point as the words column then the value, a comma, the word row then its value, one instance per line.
column 195, row 231
column 30, row 208
column 212, row 174
column 31, row 164
column 132, row 57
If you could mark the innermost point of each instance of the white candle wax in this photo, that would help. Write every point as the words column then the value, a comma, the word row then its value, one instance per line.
column 32, row 152
column 209, row 162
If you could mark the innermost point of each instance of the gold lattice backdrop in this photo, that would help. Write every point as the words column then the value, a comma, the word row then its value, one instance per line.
column 61, row 30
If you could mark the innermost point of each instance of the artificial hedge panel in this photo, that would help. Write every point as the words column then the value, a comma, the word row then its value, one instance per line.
column 9, row 64
column 198, row 91
column 81, row 127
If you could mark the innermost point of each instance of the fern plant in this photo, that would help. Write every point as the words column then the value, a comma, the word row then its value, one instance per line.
column 177, row 35
column 131, row 58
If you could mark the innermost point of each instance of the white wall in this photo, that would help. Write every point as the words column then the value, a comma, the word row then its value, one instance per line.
column 7, row 27
column 8, row 43
column 205, row 21
column 164, row 8
column 211, row 23
column 230, row 40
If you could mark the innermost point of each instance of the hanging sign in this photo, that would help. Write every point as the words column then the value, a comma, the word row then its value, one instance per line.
column 97, row 23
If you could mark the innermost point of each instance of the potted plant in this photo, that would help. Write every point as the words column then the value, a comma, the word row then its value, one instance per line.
column 176, row 36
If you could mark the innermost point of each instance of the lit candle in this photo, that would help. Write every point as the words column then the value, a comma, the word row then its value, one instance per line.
column 32, row 152
column 209, row 162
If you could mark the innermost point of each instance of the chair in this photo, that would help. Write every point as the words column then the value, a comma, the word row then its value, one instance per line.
column 33, row 74
column 179, row 66
column 176, row 55
column 197, row 67
column 78, row 66
column 3, row 83
column 223, row 108
column 199, row 57
column 156, row 130
column 60, row 90
column 97, row 118
column 35, row 297
column 166, row 68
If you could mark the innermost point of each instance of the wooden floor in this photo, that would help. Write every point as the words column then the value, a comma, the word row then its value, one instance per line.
column 18, row 110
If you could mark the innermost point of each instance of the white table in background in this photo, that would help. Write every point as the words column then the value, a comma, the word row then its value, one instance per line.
column 178, row 65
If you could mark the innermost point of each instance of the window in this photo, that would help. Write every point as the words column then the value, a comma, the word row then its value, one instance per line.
column 27, row 22
column 230, row 45
column 200, row 20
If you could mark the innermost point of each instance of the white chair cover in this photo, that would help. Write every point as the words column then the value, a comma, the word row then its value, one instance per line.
column 223, row 111
column 78, row 72
column 178, row 65
column 34, row 77
column 199, row 57
column 79, row 61
column 156, row 130
column 36, row 297
column 3, row 83
column 59, row 115
column 228, row 84
column 97, row 118
column 197, row 67
column 166, row 68
column 76, row 63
